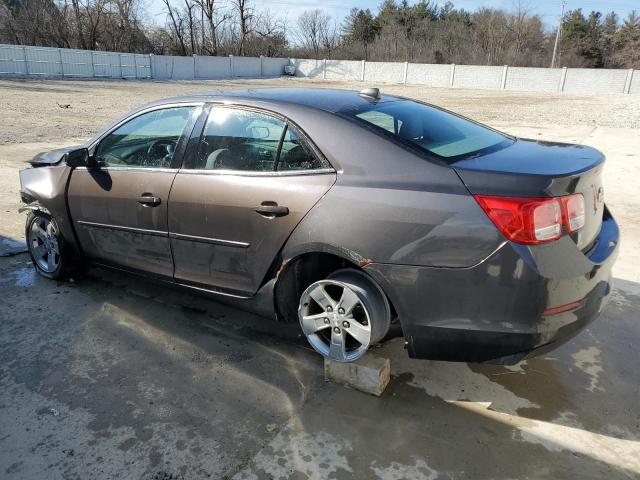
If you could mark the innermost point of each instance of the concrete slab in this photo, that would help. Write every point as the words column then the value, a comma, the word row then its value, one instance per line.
column 369, row 374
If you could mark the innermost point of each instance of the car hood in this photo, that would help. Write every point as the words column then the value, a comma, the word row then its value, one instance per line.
column 52, row 157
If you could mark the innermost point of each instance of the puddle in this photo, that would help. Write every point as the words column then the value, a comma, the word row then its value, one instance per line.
column 24, row 277
column 10, row 247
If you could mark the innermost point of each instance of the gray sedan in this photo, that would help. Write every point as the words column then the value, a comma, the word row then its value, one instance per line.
column 360, row 215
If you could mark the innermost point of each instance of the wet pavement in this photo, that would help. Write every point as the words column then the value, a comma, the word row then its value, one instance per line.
column 113, row 376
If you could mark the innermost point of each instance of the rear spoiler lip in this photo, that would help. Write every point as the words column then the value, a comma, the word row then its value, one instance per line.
column 589, row 158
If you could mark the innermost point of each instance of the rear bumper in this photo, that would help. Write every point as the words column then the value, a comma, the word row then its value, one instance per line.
column 495, row 311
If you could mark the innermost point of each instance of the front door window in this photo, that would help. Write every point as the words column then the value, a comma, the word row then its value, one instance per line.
column 147, row 141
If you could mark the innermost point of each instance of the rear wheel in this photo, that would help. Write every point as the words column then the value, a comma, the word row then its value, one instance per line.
column 344, row 314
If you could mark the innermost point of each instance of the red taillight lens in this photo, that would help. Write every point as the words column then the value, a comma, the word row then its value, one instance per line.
column 573, row 211
column 524, row 219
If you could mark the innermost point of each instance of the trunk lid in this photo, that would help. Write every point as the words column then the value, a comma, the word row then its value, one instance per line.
column 529, row 168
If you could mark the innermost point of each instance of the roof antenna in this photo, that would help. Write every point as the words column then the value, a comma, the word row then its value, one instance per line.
column 373, row 93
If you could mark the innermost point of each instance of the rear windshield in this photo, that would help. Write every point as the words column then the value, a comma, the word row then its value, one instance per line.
column 428, row 128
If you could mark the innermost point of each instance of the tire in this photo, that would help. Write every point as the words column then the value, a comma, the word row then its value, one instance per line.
column 51, row 256
column 344, row 314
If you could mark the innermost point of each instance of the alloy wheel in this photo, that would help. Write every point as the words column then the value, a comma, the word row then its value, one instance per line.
column 343, row 315
column 43, row 244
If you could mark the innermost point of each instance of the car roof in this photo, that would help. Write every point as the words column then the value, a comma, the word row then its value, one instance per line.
column 330, row 100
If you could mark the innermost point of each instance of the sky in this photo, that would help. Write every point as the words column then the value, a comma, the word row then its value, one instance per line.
column 549, row 10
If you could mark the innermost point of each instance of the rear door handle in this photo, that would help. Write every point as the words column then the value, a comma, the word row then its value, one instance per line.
column 272, row 210
column 148, row 200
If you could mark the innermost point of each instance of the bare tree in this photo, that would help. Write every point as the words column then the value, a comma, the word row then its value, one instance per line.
column 309, row 29
column 210, row 10
column 418, row 31
column 245, row 22
column 271, row 39
column 177, row 23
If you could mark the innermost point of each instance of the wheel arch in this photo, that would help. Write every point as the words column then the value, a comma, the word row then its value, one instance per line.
column 314, row 262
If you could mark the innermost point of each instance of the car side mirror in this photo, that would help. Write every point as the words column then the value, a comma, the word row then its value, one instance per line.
column 78, row 158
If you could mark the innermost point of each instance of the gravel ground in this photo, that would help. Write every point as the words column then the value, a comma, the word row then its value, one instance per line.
column 32, row 113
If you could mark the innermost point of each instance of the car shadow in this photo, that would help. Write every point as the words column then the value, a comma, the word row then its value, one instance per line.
column 569, row 386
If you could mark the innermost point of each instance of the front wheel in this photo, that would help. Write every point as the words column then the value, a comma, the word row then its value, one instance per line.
column 343, row 315
column 46, row 247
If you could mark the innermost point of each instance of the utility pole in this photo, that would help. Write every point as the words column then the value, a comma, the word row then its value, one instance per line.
column 558, row 33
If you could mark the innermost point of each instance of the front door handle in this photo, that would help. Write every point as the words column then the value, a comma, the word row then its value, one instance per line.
column 272, row 210
column 148, row 200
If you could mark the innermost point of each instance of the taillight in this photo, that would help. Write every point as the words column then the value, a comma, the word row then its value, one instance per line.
column 532, row 220
column 573, row 211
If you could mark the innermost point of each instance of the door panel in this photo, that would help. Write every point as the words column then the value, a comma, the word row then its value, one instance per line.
column 217, row 237
column 111, row 222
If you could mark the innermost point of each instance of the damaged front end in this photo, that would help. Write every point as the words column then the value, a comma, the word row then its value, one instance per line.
column 43, row 187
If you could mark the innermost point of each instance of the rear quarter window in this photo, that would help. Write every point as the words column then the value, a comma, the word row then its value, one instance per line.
column 436, row 131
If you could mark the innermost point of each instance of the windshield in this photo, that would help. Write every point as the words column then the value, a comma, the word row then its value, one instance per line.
column 429, row 128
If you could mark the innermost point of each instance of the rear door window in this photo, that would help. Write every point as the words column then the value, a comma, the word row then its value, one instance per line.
column 235, row 139
column 250, row 141
column 296, row 154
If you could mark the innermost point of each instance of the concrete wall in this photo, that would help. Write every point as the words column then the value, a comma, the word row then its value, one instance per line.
column 635, row 82
column 309, row 68
column 533, row 79
column 17, row 60
column 595, row 80
column 344, row 70
column 61, row 62
column 472, row 76
column 390, row 72
column 429, row 74
column 247, row 67
column 273, row 66
column 210, row 67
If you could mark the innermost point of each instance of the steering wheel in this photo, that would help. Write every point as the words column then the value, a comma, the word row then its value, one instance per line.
column 160, row 151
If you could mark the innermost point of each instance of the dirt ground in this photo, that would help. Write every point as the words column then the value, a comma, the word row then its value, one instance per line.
column 115, row 377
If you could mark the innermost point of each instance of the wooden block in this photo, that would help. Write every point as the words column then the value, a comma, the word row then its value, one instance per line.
column 369, row 374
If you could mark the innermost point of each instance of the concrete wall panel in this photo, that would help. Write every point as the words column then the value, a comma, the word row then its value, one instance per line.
column 595, row 80
column 12, row 60
column 388, row 72
column 533, row 79
column 273, row 67
column 245, row 67
column 476, row 76
column 213, row 67
column 182, row 68
column 433, row 75
column 344, row 69
column 635, row 82
column 43, row 61
column 76, row 63
column 308, row 68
